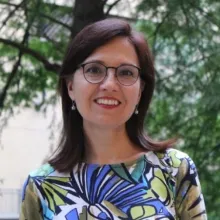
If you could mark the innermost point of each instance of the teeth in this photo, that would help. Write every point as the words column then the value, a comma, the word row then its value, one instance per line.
column 107, row 102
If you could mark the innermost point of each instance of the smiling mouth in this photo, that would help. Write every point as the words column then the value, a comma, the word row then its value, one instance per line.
column 108, row 102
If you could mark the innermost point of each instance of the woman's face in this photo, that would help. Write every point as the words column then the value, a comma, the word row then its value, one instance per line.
column 107, row 104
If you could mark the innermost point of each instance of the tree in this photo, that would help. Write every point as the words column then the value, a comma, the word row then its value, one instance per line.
column 184, row 36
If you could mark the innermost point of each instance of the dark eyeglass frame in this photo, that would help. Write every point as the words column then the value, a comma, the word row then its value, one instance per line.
column 106, row 72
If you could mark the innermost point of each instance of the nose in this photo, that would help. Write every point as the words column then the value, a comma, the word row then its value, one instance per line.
column 110, row 83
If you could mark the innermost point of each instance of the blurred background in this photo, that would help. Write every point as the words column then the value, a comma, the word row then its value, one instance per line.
column 184, row 36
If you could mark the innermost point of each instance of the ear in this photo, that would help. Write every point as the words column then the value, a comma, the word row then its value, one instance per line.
column 70, row 89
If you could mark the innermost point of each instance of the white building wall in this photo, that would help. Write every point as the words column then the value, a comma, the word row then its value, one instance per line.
column 25, row 144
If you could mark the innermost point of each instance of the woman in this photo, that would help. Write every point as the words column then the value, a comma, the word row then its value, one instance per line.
column 105, row 166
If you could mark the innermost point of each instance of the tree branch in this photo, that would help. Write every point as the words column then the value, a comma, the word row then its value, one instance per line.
column 10, row 14
column 48, row 66
column 104, row 2
column 209, row 18
column 157, row 30
column 111, row 6
column 17, row 64
column 203, row 59
column 54, row 20
column 56, row 45
column 8, row 3
column 25, row 50
column 10, row 78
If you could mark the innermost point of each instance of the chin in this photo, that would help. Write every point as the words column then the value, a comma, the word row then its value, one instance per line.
column 106, row 123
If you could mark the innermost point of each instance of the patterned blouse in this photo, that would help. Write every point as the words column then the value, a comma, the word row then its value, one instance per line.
column 155, row 186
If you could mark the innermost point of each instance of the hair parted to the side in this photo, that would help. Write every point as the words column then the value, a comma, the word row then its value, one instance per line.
column 70, row 151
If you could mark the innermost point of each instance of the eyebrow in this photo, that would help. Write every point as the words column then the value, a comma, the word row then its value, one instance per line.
column 103, row 63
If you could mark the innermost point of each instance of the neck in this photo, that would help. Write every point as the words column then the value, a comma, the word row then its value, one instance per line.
column 105, row 146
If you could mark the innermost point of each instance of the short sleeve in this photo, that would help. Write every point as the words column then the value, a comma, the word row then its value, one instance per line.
column 30, row 206
column 189, row 199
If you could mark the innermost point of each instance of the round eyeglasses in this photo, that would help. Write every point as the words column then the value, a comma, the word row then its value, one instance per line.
column 126, row 74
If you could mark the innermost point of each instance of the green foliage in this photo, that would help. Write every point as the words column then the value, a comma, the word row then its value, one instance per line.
column 47, row 49
column 38, row 26
column 185, row 38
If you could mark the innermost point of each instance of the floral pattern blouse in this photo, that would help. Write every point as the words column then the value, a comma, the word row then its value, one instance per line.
column 155, row 186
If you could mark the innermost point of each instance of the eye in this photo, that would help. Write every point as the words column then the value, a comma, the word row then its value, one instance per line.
column 126, row 72
column 93, row 69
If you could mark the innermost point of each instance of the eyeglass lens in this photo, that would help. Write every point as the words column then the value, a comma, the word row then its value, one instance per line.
column 96, row 72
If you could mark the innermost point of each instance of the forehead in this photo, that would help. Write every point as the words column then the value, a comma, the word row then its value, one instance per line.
column 116, row 51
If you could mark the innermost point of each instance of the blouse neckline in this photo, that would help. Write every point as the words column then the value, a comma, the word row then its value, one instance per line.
column 126, row 163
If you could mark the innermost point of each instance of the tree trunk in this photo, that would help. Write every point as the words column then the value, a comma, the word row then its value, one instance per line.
column 86, row 12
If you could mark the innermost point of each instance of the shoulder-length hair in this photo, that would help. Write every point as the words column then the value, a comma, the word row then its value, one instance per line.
column 71, row 149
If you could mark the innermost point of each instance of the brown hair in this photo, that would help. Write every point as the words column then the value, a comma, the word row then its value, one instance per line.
column 71, row 148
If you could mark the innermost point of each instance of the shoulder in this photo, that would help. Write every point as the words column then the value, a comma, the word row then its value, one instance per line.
column 47, row 174
column 37, row 176
column 172, row 157
column 43, row 171
column 39, row 179
column 172, row 160
column 33, row 205
column 178, row 170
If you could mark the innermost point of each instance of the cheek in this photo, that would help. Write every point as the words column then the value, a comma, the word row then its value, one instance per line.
column 133, row 95
column 79, row 85
column 83, row 92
